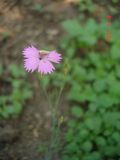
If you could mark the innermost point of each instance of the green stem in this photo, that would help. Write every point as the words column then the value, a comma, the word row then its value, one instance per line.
column 55, row 128
column 47, row 97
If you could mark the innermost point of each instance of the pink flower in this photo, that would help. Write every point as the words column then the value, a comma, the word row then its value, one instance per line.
column 40, row 60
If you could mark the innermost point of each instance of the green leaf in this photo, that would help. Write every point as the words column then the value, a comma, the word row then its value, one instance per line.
column 117, row 70
column 77, row 111
column 72, row 27
column 75, row 93
column 115, row 51
column 94, row 123
column 100, row 86
column 70, row 135
column 87, row 146
column 45, row 81
column 116, row 136
column 73, row 147
column 92, row 156
column 72, row 123
column 100, row 141
column 16, row 71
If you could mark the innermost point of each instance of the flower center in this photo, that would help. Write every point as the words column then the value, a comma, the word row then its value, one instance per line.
column 42, row 54
column 40, row 58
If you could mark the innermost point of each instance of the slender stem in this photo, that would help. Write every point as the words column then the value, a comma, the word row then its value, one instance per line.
column 59, row 96
column 46, row 94
column 55, row 128
column 47, row 97
column 54, row 111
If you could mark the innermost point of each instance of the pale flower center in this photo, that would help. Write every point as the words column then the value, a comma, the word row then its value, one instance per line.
column 42, row 54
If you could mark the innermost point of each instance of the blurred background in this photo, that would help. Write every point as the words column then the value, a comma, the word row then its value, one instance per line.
column 87, row 34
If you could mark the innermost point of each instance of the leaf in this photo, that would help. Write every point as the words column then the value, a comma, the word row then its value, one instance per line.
column 72, row 27
column 91, row 26
column 116, row 136
column 100, row 141
column 14, row 109
column 104, row 101
column 16, row 71
column 72, row 147
column 117, row 70
column 72, row 123
column 75, row 93
column 17, row 108
column 94, row 123
column 100, row 86
column 77, row 111
column 87, row 146
column 69, row 135
column 45, row 81
column 115, row 51
column 88, row 94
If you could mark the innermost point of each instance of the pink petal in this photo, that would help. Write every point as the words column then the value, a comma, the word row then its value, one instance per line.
column 45, row 67
column 55, row 57
column 30, row 52
column 31, row 64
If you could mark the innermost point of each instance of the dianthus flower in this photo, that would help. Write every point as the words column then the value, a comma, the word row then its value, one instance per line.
column 40, row 60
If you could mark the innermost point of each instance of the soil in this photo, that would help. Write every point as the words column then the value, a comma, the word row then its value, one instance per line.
column 20, row 137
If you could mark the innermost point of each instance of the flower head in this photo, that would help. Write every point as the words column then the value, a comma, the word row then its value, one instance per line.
column 40, row 60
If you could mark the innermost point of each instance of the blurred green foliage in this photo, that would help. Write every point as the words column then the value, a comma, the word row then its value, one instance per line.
column 86, row 6
column 93, row 84
column 38, row 8
column 93, row 132
column 15, row 90
column 93, row 81
column 92, row 6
